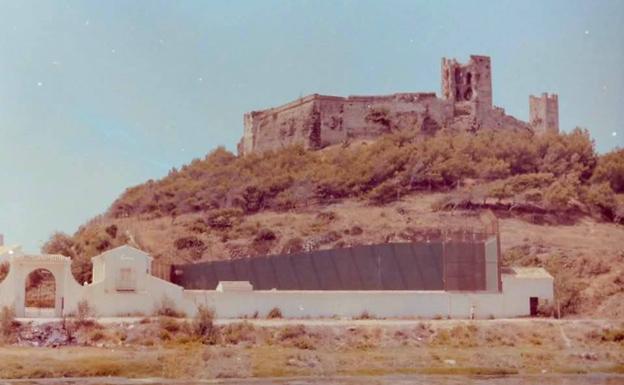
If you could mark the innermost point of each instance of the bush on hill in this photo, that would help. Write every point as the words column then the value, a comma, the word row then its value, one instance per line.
column 222, row 183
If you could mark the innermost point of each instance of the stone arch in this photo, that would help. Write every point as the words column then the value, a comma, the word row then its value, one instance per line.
column 37, row 298
column 22, row 266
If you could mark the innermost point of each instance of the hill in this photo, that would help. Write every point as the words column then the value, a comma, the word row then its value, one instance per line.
column 560, row 205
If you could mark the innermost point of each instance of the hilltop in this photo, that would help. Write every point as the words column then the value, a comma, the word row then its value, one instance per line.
column 560, row 205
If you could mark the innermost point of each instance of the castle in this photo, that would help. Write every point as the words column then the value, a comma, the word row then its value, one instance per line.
column 317, row 121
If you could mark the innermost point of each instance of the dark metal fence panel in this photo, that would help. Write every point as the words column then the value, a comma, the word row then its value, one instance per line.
column 429, row 258
column 224, row 270
column 391, row 278
column 264, row 276
column 286, row 277
column 365, row 262
column 326, row 270
column 347, row 271
column 408, row 266
column 306, row 272
column 242, row 268
column 454, row 265
column 464, row 266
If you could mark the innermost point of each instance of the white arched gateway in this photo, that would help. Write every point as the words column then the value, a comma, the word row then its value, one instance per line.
column 122, row 284
column 13, row 287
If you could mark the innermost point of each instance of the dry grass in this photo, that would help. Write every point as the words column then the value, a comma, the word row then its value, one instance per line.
column 244, row 350
column 74, row 362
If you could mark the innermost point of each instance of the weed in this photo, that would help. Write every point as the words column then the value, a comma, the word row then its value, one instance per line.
column 203, row 326
column 274, row 313
column 167, row 308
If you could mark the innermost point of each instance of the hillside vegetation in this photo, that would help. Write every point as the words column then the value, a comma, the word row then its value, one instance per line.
column 226, row 206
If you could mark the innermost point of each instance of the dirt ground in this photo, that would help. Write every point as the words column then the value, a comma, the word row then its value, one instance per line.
column 167, row 348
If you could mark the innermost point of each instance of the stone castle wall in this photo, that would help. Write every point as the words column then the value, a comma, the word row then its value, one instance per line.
column 317, row 121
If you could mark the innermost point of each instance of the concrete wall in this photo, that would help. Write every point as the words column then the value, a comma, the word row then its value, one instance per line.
column 150, row 291
column 512, row 302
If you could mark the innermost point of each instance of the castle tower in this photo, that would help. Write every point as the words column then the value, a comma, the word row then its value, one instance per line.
column 544, row 113
column 469, row 83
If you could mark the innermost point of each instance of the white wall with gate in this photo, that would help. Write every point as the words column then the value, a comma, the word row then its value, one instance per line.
column 123, row 285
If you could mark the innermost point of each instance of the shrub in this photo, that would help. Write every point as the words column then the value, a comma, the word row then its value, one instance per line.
column 560, row 193
column 293, row 245
column 356, row 230
column 304, row 342
column 169, row 324
column 203, row 326
column 222, row 219
column 7, row 321
column 265, row 235
column 610, row 169
column 603, row 198
column 112, row 231
column 385, row 192
column 327, row 216
column 235, row 333
column 190, row 242
column 274, row 313
column 291, row 332
column 364, row 315
column 166, row 307
column 96, row 335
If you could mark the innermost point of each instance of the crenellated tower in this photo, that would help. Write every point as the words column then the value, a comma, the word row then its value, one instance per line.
column 544, row 113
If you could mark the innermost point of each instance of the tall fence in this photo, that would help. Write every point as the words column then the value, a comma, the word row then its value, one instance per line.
column 450, row 258
column 390, row 266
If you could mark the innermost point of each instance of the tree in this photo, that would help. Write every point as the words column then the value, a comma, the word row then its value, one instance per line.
column 60, row 243
column 611, row 169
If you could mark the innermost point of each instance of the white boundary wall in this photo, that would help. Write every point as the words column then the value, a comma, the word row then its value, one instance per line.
column 512, row 302
column 236, row 300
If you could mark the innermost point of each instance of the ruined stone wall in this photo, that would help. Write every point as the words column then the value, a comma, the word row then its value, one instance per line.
column 275, row 128
column 544, row 113
column 372, row 116
column 470, row 83
column 331, row 120
column 317, row 121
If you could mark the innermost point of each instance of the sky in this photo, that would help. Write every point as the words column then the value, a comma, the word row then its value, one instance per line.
column 98, row 96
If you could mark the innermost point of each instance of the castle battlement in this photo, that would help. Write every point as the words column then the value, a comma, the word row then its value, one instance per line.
column 316, row 121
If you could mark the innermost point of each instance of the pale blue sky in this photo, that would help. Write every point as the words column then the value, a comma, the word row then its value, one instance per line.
column 97, row 96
